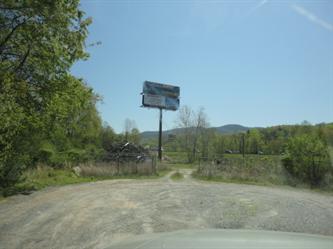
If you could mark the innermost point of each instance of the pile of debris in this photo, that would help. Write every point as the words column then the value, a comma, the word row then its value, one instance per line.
column 126, row 152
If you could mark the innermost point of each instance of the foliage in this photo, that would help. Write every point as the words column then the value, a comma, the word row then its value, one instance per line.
column 134, row 136
column 268, row 141
column 264, row 149
column 46, row 114
column 251, row 169
column 45, row 176
column 307, row 159
column 107, row 137
column 112, row 169
column 129, row 127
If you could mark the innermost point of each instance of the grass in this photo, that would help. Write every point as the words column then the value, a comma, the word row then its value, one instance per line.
column 181, row 165
column 107, row 170
column 328, row 190
column 232, row 180
column 262, row 182
column 44, row 176
column 263, row 170
column 177, row 176
column 176, row 156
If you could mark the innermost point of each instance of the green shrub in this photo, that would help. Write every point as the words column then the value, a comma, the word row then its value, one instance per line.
column 10, row 172
column 307, row 159
column 76, row 155
column 251, row 168
column 177, row 176
column 46, row 152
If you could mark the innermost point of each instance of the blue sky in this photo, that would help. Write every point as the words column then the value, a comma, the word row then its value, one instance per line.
column 255, row 63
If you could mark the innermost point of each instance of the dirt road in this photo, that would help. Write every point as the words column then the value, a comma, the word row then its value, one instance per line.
column 95, row 215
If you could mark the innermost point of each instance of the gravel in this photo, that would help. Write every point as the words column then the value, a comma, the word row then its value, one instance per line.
column 98, row 214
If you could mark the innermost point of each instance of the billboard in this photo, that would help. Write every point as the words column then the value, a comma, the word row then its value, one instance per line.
column 160, row 89
column 158, row 101
column 153, row 100
column 160, row 96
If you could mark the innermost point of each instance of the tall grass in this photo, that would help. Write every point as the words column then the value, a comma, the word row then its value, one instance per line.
column 252, row 168
column 176, row 156
column 43, row 176
column 114, row 169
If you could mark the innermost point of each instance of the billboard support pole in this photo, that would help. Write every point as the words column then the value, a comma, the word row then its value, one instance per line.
column 161, row 96
column 160, row 137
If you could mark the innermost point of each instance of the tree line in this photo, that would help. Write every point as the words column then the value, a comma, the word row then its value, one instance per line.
column 197, row 139
column 306, row 150
column 47, row 115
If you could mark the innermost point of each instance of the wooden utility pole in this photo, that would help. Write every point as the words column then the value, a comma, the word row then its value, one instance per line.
column 160, row 137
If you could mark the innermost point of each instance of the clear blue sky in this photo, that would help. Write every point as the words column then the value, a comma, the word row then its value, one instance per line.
column 255, row 63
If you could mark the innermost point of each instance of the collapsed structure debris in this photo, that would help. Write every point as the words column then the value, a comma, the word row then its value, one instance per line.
column 125, row 152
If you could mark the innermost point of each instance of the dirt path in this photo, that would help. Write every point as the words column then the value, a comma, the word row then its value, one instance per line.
column 95, row 215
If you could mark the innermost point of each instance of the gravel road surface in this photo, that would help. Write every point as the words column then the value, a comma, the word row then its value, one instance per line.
column 98, row 214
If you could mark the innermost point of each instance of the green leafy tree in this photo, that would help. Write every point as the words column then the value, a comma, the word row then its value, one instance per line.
column 254, row 141
column 307, row 159
column 39, row 42
column 219, row 144
column 108, row 137
column 74, row 125
column 134, row 136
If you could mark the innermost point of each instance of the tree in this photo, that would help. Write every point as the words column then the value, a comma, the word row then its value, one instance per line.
column 74, row 125
column 219, row 144
column 129, row 125
column 206, row 142
column 254, row 141
column 39, row 42
column 200, row 133
column 193, row 124
column 307, row 159
column 134, row 136
column 108, row 137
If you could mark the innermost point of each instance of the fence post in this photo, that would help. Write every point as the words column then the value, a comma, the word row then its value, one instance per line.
column 118, row 166
column 199, row 168
column 153, row 165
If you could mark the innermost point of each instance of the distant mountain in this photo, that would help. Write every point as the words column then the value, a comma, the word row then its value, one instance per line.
column 231, row 128
column 224, row 129
column 154, row 134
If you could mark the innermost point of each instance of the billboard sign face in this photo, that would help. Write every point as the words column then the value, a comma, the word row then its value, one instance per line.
column 153, row 100
column 160, row 102
column 160, row 96
column 171, row 103
column 160, row 89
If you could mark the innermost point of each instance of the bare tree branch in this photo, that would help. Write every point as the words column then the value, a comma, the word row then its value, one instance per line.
column 2, row 44
column 23, row 60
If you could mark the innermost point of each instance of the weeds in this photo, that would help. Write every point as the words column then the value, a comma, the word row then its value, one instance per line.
column 177, row 176
column 113, row 169
column 44, row 176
